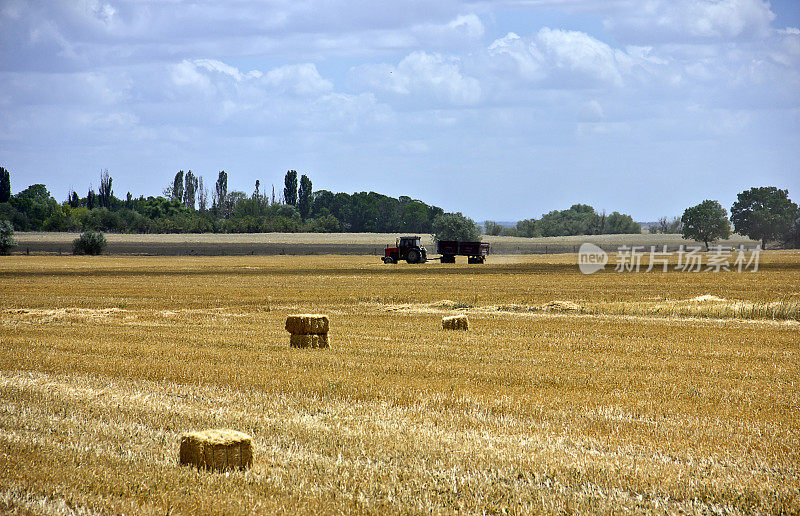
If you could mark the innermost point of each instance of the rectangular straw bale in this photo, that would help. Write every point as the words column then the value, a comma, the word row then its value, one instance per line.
column 455, row 322
column 310, row 341
column 307, row 324
column 216, row 449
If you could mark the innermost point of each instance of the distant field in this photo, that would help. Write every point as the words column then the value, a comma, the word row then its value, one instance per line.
column 613, row 392
column 327, row 243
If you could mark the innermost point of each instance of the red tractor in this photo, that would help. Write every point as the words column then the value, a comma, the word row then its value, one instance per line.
column 408, row 248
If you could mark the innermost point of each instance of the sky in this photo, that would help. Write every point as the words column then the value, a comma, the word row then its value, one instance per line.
column 502, row 110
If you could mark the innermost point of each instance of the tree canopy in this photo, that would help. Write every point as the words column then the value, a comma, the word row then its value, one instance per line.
column 455, row 226
column 579, row 219
column 765, row 213
column 290, row 188
column 5, row 185
column 304, row 197
column 706, row 222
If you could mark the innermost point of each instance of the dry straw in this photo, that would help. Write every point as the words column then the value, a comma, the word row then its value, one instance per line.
column 310, row 341
column 307, row 324
column 455, row 322
column 216, row 449
column 561, row 306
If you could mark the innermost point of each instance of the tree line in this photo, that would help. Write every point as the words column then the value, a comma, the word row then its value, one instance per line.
column 579, row 219
column 187, row 206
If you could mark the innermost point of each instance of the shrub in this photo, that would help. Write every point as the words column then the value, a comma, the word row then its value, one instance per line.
column 90, row 242
column 323, row 224
column 6, row 237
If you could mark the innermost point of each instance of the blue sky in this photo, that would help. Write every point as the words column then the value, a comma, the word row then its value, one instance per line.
column 503, row 110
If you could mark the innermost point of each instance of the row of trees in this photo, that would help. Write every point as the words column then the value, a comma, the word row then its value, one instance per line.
column 185, row 208
column 579, row 219
column 765, row 213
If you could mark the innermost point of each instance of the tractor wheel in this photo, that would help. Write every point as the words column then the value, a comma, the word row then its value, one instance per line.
column 388, row 259
column 412, row 256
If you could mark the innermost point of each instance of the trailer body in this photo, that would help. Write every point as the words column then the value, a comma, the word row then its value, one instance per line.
column 475, row 252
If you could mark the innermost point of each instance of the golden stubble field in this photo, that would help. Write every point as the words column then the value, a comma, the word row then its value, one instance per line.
column 613, row 392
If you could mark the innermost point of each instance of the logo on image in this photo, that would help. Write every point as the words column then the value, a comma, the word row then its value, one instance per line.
column 591, row 258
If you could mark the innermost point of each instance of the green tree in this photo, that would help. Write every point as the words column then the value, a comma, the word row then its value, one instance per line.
column 579, row 219
column 105, row 192
column 528, row 228
column 304, row 197
column 7, row 241
column 290, row 188
column 706, row 222
column 91, row 198
column 764, row 213
column 220, row 193
column 202, row 195
column 793, row 236
column 36, row 203
column 492, row 228
column 73, row 200
column 177, row 187
column 324, row 224
column 414, row 216
column 455, row 226
column 619, row 223
column 5, row 185
column 190, row 190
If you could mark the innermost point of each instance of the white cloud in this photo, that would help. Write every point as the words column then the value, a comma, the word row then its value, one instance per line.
column 187, row 74
column 682, row 20
column 213, row 65
column 422, row 75
column 526, row 58
column 299, row 79
column 469, row 25
column 565, row 57
column 210, row 77
column 578, row 52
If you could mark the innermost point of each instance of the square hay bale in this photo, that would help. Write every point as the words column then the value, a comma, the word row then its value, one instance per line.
column 307, row 324
column 310, row 341
column 455, row 322
column 216, row 449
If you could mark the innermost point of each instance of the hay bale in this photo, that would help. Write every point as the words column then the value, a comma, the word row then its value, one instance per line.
column 307, row 324
column 216, row 449
column 310, row 341
column 455, row 322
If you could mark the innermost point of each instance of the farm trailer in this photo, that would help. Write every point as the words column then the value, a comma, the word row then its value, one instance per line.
column 410, row 249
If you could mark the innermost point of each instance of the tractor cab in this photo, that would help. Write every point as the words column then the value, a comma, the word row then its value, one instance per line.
column 408, row 248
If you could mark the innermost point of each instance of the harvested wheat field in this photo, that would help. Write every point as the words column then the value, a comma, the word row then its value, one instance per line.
column 615, row 392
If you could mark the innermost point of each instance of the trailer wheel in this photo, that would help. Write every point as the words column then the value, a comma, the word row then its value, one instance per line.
column 448, row 258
